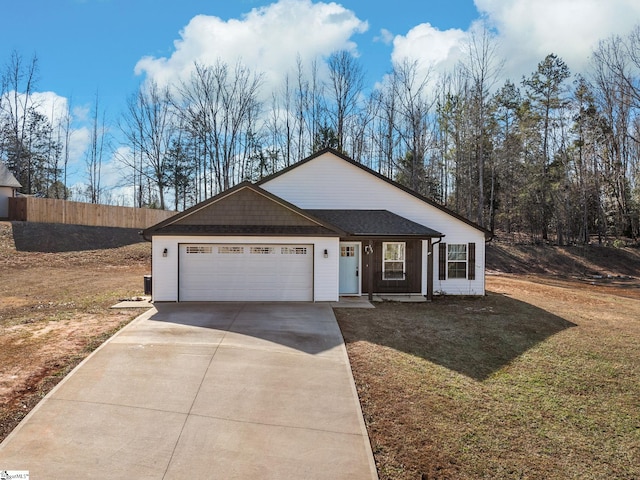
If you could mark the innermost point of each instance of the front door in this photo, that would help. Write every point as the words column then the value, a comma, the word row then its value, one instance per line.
column 349, row 268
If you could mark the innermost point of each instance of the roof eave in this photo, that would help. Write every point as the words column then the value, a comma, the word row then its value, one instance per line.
column 160, row 233
column 396, row 235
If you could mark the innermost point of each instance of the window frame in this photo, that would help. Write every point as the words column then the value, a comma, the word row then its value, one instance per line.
column 347, row 250
column 462, row 264
column 392, row 260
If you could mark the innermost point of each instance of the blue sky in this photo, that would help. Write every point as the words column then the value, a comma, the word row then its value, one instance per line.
column 111, row 46
column 84, row 46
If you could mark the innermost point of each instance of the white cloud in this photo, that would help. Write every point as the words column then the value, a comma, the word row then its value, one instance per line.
column 432, row 46
column 433, row 49
column 56, row 109
column 526, row 32
column 79, row 141
column 81, row 113
column 268, row 39
column 530, row 30
column 50, row 104
column 385, row 37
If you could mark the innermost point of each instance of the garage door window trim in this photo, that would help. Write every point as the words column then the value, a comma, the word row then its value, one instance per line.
column 230, row 249
column 199, row 249
column 293, row 250
column 262, row 250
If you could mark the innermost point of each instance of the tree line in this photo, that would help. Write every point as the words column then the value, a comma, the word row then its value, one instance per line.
column 555, row 156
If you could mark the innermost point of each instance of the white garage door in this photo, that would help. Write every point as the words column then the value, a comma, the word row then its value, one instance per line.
column 234, row 272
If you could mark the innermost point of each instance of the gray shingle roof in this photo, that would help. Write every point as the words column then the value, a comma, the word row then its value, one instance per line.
column 6, row 177
column 373, row 223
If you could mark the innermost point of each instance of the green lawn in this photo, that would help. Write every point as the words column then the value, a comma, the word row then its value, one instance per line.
column 537, row 380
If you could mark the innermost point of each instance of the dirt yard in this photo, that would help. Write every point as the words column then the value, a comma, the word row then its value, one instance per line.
column 54, row 310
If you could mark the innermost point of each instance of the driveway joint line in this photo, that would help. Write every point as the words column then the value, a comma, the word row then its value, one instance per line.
column 109, row 404
column 204, row 375
column 294, row 427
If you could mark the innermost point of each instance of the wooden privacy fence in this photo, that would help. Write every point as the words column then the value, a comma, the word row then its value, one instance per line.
column 50, row 210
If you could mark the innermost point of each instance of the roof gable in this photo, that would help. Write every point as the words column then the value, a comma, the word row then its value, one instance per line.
column 277, row 177
column 243, row 210
column 245, row 207
column 6, row 177
column 374, row 223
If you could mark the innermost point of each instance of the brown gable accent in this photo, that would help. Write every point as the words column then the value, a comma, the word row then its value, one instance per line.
column 245, row 207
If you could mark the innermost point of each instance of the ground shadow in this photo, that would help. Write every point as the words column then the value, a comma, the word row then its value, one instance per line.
column 306, row 327
column 57, row 237
column 472, row 336
column 568, row 260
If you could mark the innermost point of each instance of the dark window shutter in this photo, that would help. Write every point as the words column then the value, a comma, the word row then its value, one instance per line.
column 471, row 265
column 442, row 262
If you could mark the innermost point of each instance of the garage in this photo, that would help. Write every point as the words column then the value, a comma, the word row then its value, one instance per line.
column 245, row 272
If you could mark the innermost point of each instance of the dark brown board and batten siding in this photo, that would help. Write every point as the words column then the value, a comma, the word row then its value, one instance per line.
column 245, row 207
column 412, row 282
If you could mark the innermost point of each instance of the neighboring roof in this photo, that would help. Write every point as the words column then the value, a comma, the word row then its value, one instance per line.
column 234, row 212
column 6, row 177
column 374, row 223
column 342, row 156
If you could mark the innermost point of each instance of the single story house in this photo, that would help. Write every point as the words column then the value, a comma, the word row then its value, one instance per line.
column 324, row 227
column 8, row 189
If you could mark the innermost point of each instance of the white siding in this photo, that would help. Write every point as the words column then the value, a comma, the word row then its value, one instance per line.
column 331, row 183
column 165, row 269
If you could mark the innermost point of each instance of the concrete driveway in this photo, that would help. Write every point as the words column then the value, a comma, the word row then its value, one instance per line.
column 204, row 391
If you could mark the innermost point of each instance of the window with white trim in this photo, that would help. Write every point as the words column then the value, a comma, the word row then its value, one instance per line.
column 456, row 260
column 393, row 260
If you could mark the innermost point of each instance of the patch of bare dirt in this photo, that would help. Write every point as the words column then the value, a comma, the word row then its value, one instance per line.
column 54, row 310
column 590, row 262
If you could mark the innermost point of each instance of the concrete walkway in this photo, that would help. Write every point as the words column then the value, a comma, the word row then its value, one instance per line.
column 204, row 391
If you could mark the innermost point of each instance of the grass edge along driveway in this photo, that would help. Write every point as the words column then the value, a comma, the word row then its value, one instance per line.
column 539, row 379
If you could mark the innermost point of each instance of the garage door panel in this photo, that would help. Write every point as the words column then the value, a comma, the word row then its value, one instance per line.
column 231, row 272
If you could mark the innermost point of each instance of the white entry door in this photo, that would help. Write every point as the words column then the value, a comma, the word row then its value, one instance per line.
column 245, row 272
column 349, row 269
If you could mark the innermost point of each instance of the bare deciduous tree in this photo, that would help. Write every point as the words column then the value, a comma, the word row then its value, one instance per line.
column 94, row 155
column 346, row 85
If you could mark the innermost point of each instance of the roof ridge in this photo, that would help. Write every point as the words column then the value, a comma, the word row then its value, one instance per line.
column 342, row 156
